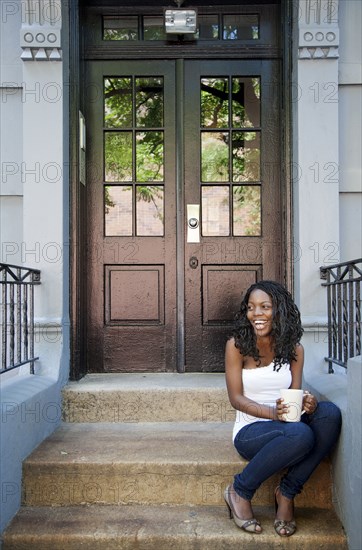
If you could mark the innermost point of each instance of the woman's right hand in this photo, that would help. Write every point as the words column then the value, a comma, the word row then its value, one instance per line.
column 281, row 409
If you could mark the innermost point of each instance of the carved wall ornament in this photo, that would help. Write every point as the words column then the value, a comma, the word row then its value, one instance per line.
column 318, row 29
column 40, row 37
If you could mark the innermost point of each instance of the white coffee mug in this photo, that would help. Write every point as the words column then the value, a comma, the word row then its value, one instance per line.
column 294, row 400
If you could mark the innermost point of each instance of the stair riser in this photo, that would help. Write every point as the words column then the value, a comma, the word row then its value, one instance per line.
column 163, row 527
column 164, row 543
column 159, row 485
column 154, row 406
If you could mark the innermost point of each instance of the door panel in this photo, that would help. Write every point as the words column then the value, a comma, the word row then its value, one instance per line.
column 231, row 231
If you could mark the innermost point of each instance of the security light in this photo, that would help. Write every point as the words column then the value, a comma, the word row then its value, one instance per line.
column 179, row 21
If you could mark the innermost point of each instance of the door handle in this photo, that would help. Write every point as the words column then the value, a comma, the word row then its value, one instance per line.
column 193, row 223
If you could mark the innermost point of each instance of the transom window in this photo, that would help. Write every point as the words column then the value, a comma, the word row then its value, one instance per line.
column 210, row 27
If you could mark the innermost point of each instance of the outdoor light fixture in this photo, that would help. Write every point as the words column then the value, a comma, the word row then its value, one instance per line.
column 178, row 21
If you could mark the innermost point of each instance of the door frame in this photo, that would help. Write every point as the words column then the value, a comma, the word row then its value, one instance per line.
column 73, row 66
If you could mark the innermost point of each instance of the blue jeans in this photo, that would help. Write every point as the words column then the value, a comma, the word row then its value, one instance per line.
column 273, row 445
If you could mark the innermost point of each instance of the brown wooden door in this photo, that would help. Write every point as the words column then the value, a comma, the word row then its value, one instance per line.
column 231, row 170
column 183, row 207
column 131, row 192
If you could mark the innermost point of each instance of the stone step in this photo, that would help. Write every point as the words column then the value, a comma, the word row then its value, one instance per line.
column 163, row 527
column 155, row 397
column 146, row 463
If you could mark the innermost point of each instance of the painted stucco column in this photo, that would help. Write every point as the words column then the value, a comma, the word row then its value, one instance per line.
column 316, row 177
column 31, row 405
column 42, row 171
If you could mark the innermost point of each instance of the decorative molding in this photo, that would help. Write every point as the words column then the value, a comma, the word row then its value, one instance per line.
column 154, row 51
column 318, row 29
column 318, row 53
column 40, row 36
column 314, row 324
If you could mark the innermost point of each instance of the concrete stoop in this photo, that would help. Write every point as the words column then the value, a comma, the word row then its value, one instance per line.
column 153, row 477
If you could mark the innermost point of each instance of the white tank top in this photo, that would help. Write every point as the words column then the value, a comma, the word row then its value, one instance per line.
column 262, row 385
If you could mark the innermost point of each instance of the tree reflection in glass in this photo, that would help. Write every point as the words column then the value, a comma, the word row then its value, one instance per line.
column 118, row 210
column 118, row 156
column 149, row 102
column 214, row 103
column 227, row 104
column 215, row 210
column 131, row 155
column 149, row 210
column 149, row 156
column 246, row 210
column 117, row 102
column 246, row 156
column 246, row 102
column 214, row 156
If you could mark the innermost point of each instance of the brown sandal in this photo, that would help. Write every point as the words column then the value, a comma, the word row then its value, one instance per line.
column 280, row 524
column 249, row 525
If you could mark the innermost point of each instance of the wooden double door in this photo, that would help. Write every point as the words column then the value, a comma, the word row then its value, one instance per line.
column 184, row 207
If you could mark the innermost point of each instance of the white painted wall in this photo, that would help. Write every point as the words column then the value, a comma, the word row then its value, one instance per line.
column 344, row 389
column 350, row 129
column 328, row 199
column 32, row 213
column 43, row 203
column 316, row 156
column 11, row 235
column 31, row 183
column 11, row 138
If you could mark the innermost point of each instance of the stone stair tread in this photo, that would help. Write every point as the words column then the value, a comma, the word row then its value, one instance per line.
column 161, row 528
column 179, row 463
column 154, row 397
column 118, row 443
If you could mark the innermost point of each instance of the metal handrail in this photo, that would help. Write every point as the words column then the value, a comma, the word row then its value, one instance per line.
column 17, row 316
column 343, row 283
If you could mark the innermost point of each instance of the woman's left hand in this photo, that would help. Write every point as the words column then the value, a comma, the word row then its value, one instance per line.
column 309, row 403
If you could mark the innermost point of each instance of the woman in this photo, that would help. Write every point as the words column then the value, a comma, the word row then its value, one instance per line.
column 263, row 356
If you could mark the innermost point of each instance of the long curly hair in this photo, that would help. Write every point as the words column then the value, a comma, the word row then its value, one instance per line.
column 286, row 330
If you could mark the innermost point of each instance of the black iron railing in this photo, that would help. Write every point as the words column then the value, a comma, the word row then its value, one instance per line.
column 17, row 316
column 343, row 282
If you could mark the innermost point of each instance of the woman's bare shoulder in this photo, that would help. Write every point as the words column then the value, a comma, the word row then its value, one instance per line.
column 231, row 346
column 299, row 350
column 233, row 356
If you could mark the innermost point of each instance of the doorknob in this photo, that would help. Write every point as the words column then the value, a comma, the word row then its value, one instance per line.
column 193, row 222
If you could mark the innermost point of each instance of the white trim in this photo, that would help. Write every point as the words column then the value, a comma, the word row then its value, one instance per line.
column 311, row 324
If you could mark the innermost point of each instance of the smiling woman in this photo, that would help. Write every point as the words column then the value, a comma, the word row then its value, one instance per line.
column 270, row 304
column 264, row 356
